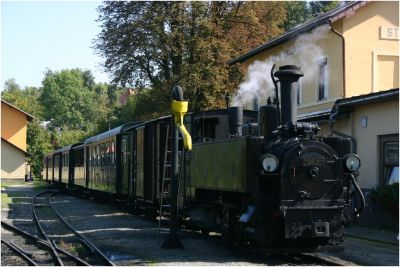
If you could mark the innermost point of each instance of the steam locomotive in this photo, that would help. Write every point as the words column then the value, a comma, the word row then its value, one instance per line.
column 262, row 178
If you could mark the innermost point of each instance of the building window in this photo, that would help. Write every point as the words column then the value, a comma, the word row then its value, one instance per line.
column 389, row 159
column 323, row 79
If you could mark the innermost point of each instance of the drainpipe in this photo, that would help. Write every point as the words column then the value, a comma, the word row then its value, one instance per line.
column 343, row 56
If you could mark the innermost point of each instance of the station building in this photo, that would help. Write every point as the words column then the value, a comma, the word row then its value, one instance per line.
column 350, row 58
column 14, row 124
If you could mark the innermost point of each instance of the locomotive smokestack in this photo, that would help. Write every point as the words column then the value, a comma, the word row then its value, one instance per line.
column 289, row 76
column 235, row 115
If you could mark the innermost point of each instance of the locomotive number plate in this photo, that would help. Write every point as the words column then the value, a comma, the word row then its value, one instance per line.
column 307, row 162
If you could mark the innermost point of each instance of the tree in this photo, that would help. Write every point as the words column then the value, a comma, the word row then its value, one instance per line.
column 297, row 12
column 318, row 7
column 154, row 45
column 39, row 144
column 26, row 99
column 68, row 101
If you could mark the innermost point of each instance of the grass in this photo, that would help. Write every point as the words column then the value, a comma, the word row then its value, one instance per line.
column 11, row 183
column 10, row 197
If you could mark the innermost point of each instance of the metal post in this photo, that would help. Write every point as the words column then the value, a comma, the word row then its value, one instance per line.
column 173, row 241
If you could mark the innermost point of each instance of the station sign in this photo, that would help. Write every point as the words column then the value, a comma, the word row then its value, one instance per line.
column 389, row 33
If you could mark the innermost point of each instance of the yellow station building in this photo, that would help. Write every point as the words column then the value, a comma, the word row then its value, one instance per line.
column 13, row 141
column 350, row 58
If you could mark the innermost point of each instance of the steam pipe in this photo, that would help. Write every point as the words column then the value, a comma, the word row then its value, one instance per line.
column 343, row 56
column 276, row 94
column 361, row 195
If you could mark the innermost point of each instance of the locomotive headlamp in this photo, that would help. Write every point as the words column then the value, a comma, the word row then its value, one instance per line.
column 352, row 162
column 270, row 163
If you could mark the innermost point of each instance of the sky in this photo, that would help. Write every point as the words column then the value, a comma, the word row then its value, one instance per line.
column 55, row 35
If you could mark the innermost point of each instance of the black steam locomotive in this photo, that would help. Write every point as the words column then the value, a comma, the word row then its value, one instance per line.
column 256, row 177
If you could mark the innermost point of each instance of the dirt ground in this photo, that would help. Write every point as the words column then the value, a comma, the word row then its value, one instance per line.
column 130, row 239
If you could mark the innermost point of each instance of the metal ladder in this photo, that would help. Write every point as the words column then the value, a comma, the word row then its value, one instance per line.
column 165, row 189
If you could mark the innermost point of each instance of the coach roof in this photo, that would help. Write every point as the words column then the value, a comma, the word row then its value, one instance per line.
column 113, row 132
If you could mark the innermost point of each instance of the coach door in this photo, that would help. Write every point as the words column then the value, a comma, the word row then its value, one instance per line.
column 139, row 163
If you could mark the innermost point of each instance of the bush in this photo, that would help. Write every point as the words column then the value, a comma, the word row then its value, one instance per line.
column 387, row 197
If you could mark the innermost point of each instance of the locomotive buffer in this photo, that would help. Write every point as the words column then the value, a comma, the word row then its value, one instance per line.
column 179, row 109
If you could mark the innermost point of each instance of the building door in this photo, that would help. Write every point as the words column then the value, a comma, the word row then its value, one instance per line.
column 388, row 159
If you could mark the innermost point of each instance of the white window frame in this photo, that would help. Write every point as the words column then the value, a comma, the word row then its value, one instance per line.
column 375, row 54
column 323, row 62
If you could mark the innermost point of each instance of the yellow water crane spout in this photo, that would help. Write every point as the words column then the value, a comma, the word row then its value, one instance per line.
column 179, row 109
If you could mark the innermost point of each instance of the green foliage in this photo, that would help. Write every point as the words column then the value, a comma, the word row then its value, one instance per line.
column 39, row 144
column 297, row 12
column 387, row 196
column 25, row 99
column 68, row 101
column 317, row 7
column 68, row 137
column 71, row 102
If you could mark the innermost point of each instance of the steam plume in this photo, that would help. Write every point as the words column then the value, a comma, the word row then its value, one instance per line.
column 305, row 52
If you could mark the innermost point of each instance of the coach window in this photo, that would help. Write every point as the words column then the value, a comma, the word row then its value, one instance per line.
column 323, row 79
column 107, row 156
column 93, row 156
column 97, row 155
column 103, row 154
column 112, row 152
column 90, row 156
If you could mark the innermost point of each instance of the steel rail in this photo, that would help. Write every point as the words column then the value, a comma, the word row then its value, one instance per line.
column 44, row 243
column 20, row 252
column 88, row 242
column 299, row 258
column 36, row 220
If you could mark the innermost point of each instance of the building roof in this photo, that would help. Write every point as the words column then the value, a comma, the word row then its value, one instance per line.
column 333, row 15
column 19, row 149
column 315, row 116
column 347, row 104
column 29, row 117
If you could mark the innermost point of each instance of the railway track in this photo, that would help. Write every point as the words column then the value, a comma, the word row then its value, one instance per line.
column 34, row 250
column 60, row 244
column 58, row 233
column 308, row 259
